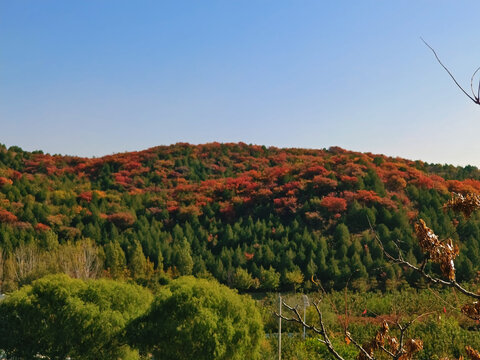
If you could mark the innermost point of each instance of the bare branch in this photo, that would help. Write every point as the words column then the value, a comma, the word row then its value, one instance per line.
column 471, row 84
column 358, row 346
column 324, row 334
column 387, row 352
column 420, row 270
column 407, row 325
column 475, row 98
column 321, row 331
column 298, row 318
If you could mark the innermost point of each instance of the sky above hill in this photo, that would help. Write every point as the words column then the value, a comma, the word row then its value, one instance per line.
column 92, row 77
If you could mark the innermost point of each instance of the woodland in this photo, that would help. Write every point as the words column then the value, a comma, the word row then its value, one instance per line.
column 255, row 219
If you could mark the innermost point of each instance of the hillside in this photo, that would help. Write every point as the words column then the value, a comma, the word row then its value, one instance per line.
column 251, row 216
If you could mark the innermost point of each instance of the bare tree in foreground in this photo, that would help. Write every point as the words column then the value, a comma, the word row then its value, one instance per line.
column 442, row 252
column 475, row 97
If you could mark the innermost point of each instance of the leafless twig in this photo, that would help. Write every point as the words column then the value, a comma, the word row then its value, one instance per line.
column 475, row 97
column 321, row 331
column 421, row 270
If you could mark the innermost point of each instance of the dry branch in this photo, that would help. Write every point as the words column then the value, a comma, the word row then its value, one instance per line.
column 475, row 97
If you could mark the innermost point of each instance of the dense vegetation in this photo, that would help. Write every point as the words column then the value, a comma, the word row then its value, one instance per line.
column 60, row 317
column 250, row 216
column 198, row 319
column 57, row 317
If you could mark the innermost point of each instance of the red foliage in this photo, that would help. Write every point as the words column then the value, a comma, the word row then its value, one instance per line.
column 286, row 204
column 323, row 182
column 353, row 169
column 255, row 176
column 396, row 182
column 7, row 217
column 314, row 170
column 263, row 193
column 42, row 227
column 249, row 256
column 122, row 219
column 348, row 179
column 16, row 175
column 227, row 210
column 122, row 179
column 368, row 197
column 334, row 204
column 86, row 196
column 172, row 206
column 423, row 182
column 241, row 184
column 472, row 185
column 464, row 187
column 276, row 172
column 4, row 181
column 132, row 165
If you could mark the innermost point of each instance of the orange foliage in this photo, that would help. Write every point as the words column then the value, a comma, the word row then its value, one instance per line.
column 334, row 204
column 423, row 181
column 286, row 204
column 7, row 216
column 42, row 227
column 86, row 196
column 323, row 182
column 248, row 256
column 122, row 220
column 5, row 181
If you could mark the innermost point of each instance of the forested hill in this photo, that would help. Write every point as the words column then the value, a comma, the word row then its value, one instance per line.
column 251, row 216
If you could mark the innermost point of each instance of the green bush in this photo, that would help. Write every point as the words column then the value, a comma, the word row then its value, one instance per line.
column 59, row 317
column 194, row 318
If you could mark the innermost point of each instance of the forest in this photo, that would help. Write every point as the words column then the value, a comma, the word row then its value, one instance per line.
column 253, row 218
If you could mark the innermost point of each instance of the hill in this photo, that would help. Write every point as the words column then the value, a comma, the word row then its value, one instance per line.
column 251, row 216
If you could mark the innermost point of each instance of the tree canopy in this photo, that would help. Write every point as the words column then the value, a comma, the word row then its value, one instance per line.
column 229, row 210
column 60, row 317
column 199, row 319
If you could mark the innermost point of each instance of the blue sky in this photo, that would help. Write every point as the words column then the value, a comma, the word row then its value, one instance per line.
column 96, row 77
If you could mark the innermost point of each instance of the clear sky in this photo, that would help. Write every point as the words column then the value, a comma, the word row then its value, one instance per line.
column 95, row 77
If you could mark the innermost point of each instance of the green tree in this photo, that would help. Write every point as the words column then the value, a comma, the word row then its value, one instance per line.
column 138, row 261
column 59, row 317
column 199, row 319
column 243, row 280
column 294, row 278
column 183, row 257
column 269, row 278
column 115, row 260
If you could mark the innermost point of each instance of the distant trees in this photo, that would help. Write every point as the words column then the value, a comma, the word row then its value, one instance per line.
column 230, row 210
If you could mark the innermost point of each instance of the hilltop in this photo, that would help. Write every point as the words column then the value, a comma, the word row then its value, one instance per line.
column 251, row 216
